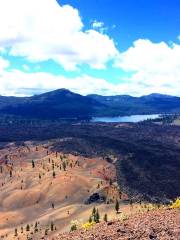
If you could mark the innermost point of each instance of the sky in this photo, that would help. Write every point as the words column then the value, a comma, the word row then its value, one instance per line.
column 105, row 47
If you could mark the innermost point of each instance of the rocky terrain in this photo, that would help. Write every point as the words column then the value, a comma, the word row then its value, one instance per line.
column 157, row 224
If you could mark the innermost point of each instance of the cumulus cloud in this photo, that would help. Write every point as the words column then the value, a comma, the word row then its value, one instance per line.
column 42, row 29
column 154, row 67
column 3, row 64
column 19, row 83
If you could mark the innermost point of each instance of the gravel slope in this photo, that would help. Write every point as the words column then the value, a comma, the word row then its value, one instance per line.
column 157, row 224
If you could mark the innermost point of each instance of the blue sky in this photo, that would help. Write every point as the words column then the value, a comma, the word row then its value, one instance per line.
column 90, row 46
column 157, row 20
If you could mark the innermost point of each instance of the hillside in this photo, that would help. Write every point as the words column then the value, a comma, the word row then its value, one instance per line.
column 158, row 224
column 147, row 154
column 43, row 190
column 52, row 174
column 39, row 185
column 64, row 104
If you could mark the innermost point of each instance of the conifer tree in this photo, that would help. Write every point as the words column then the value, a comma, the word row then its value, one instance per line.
column 64, row 166
column 27, row 228
column 52, row 226
column 46, row 232
column 15, row 232
column 36, row 227
column 93, row 211
column 33, row 164
column 90, row 219
column 117, row 206
column 105, row 217
column 97, row 216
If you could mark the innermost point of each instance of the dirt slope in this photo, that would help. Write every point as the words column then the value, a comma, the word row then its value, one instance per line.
column 32, row 194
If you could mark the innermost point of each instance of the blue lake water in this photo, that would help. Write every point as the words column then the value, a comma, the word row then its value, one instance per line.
column 132, row 118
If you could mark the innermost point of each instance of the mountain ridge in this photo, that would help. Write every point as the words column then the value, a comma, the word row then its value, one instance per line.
column 63, row 103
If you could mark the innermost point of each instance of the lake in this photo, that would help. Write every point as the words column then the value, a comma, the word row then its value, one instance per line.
column 132, row 118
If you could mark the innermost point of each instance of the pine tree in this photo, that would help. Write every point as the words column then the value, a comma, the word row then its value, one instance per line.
column 117, row 206
column 46, row 232
column 97, row 216
column 10, row 173
column 33, row 164
column 52, row 226
column 15, row 232
column 36, row 227
column 93, row 211
column 131, row 202
column 90, row 219
column 53, row 166
column 64, row 166
column 54, row 174
column 27, row 228
column 105, row 217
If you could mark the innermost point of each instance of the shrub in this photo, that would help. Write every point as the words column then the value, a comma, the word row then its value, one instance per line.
column 176, row 203
column 123, row 217
column 88, row 225
column 74, row 225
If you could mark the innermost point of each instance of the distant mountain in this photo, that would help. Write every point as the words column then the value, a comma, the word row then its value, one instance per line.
column 125, row 104
column 65, row 104
column 60, row 103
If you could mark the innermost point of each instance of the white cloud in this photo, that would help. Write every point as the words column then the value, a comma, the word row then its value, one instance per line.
column 3, row 64
column 96, row 24
column 41, row 29
column 26, row 67
column 19, row 83
column 99, row 26
column 155, row 67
